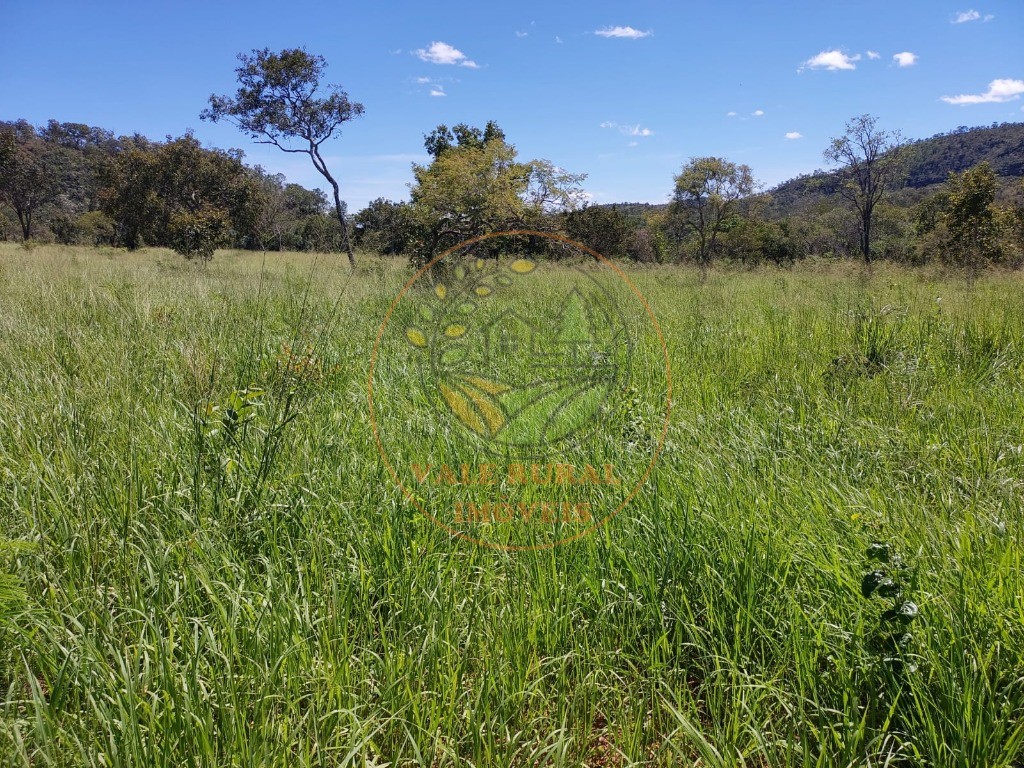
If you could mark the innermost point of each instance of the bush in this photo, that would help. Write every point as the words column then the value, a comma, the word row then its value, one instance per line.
column 91, row 228
column 64, row 230
column 644, row 246
column 601, row 228
column 96, row 228
column 320, row 233
column 198, row 234
column 384, row 227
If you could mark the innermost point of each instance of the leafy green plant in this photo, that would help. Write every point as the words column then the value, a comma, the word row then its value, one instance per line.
column 238, row 442
column 224, row 428
column 875, row 345
column 890, row 580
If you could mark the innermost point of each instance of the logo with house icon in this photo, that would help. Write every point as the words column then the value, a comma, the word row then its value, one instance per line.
column 501, row 390
column 521, row 366
column 569, row 348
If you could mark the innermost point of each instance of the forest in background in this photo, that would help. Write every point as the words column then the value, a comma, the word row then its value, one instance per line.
column 958, row 198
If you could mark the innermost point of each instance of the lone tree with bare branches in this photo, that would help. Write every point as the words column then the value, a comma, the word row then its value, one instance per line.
column 277, row 103
column 873, row 165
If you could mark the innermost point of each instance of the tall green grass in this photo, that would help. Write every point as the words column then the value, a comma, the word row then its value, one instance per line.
column 181, row 585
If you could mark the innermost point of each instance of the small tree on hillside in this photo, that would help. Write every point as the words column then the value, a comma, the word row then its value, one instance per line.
column 872, row 161
column 970, row 216
column 277, row 103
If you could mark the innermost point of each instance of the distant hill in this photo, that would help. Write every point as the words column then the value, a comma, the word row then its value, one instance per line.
column 931, row 161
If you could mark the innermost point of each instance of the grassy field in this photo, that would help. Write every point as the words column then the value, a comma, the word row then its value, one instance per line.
column 172, row 597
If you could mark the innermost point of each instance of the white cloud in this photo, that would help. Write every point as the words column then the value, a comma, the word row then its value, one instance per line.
column 758, row 113
column 832, row 60
column 558, row 39
column 730, row 114
column 905, row 59
column 998, row 91
column 794, row 135
column 964, row 16
column 442, row 53
column 521, row 34
column 627, row 32
column 422, row 80
column 437, row 90
column 628, row 130
column 988, row 17
column 874, row 55
column 632, row 143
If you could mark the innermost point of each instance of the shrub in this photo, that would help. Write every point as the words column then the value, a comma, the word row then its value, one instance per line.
column 644, row 246
column 95, row 228
column 198, row 234
column 91, row 228
column 602, row 228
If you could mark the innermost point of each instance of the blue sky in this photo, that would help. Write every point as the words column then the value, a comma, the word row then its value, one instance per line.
column 624, row 92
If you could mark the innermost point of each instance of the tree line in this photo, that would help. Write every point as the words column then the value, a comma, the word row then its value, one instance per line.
column 474, row 185
column 80, row 184
column 77, row 184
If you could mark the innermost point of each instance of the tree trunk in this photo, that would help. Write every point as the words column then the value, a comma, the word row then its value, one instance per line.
column 346, row 243
column 25, row 219
column 865, row 240
column 321, row 166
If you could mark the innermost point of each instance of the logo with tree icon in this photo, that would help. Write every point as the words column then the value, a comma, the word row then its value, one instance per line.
column 503, row 390
column 526, row 375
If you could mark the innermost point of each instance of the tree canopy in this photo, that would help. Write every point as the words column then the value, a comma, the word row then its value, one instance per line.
column 179, row 193
column 29, row 172
column 476, row 185
column 872, row 163
column 74, row 183
column 443, row 138
column 278, row 103
column 706, row 195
